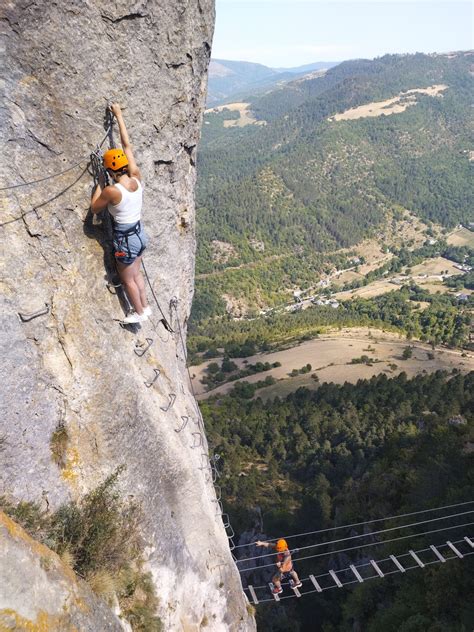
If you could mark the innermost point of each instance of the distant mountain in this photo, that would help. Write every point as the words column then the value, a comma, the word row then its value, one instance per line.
column 332, row 156
column 230, row 79
column 318, row 65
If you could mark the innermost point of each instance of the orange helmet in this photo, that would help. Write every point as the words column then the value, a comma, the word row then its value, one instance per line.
column 281, row 545
column 115, row 159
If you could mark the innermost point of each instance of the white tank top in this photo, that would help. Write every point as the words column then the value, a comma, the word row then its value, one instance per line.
column 129, row 209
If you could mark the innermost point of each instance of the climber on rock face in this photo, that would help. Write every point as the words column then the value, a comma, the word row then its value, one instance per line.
column 284, row 564
column 124, row 201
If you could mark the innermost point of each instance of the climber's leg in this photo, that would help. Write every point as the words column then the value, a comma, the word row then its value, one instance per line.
column 128, row 276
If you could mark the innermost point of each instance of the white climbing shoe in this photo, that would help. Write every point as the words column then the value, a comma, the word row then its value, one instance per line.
column 147, row 311
column 134, row 318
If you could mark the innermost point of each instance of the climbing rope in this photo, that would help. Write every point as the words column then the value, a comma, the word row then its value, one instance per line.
column 164, row 320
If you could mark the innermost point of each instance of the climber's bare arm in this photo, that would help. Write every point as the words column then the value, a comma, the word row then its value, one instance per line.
column 103, row 196
column 265, row 544
column 133, row 170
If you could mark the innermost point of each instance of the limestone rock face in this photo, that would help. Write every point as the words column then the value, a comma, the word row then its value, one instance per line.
column 52, row 598
column 66, row 361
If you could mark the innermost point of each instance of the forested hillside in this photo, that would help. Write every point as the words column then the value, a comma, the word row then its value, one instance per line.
column 278, row 194
column 228, row 78
column 345, row 454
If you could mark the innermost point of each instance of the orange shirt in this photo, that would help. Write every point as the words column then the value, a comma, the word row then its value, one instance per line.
column 285, row 561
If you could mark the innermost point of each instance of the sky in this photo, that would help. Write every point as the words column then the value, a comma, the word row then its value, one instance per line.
column 287, row 33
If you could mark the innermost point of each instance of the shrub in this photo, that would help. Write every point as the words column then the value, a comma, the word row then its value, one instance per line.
column 58, row 445
column 99, row 538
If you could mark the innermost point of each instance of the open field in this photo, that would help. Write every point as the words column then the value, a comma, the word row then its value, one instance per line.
column 246, row 117
column 390, row 106
column 436, row 266
column 330, row 356
column 461, row 237
column 427, row 275
column 376, row 288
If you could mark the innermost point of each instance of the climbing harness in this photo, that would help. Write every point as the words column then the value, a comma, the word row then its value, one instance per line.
column 121, row 237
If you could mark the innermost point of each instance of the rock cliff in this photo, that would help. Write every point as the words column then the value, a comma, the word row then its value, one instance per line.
column 67, row 363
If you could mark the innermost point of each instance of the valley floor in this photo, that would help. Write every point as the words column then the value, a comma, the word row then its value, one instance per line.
column 330, row 357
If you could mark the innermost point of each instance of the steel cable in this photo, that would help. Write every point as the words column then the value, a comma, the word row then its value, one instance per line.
column 362, row 546
column 362, row 535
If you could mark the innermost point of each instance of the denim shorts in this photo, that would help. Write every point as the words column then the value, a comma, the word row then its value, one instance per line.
column 128, row 243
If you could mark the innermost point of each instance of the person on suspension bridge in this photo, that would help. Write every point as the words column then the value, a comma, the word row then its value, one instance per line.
column 284, row 565
column 124, row 200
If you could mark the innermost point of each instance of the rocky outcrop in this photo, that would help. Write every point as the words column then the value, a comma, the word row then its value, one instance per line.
column 67, row 362
column 53, row 598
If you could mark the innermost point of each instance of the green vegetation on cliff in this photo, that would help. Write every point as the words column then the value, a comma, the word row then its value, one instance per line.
column 303, row 184
column 346, row 454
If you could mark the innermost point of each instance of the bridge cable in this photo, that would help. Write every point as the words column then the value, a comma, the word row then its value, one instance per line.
column 362, row 535
column 358, row 524
column 362, row 546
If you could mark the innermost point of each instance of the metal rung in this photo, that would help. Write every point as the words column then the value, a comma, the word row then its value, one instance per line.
column 377, row 569
column 157, row 375
column 172, row 399
column 469, row 541
column 397, row 563
column 185, row 420
column 218, row 491
column 274, row 595
column 141, row 350
column 197, row 440
column 356, row 573
column 315, row 583
column 416, row 558
column 437, row 553
column 453, row 548
column 294, row 589
column 27, row 317
column 254, row 596
column 226, row 520
column 336, row 579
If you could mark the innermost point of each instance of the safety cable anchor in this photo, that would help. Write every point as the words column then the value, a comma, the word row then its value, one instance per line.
column 139, row 350
column 157, row 375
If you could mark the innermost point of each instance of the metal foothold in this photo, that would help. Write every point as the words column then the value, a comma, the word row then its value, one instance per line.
column 197, row 440
column 140, row 352
column 40, row 312
column 157, row 375
column 185, row 420
column 172, row 397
